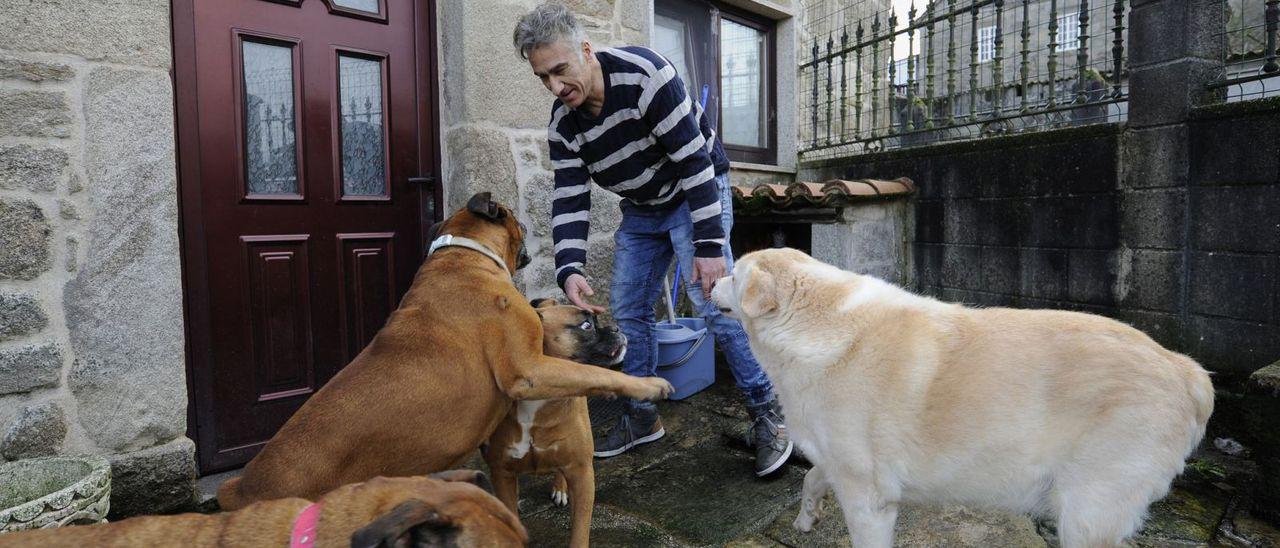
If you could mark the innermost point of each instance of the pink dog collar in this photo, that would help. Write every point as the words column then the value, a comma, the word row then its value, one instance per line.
column 304, row 528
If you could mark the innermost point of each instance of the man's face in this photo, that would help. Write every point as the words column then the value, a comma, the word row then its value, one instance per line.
column 561, row 68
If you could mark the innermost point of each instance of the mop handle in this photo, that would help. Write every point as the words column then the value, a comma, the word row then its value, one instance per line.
column 670, row 294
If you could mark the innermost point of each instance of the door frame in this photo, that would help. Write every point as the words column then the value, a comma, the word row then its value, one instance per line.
column 191, row 219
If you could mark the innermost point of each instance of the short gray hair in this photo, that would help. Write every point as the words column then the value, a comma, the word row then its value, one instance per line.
column 547, row 24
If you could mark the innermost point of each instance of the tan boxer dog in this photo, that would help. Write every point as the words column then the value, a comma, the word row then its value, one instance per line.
column 434, row 511
column 554, row 436
column 436, row 380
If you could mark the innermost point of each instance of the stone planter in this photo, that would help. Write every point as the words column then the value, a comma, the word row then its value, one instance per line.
column 54, row 491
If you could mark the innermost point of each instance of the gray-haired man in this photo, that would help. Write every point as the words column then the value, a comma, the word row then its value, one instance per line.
column 623, row 119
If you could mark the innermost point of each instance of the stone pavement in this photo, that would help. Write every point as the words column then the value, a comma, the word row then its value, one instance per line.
column 695, row 487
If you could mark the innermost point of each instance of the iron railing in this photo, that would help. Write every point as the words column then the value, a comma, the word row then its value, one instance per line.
column 1249, row 41
column 878, row 76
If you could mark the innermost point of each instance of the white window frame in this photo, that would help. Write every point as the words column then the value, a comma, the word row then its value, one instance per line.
column 986, row 44
column 1069, row 32
column 900, row 72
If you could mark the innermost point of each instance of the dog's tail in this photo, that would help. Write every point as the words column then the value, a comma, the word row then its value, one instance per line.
column 1200, row 388
column 229, row 495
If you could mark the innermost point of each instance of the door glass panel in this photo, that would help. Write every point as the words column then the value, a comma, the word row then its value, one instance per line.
column 370, row 6
column 363, row 154
column 671, row 39
column 742, row 84
column 271, row 151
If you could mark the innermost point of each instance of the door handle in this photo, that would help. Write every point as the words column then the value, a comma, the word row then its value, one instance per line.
column 426, row 180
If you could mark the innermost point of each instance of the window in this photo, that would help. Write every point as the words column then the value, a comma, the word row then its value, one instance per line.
column 744, row 105
column 900, row 72
column 986, row 44
column 727, row 57
column 671, row 39
column 1069, row 32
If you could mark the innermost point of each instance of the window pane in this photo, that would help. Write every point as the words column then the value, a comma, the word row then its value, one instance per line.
column 363, row 158
column 671, row 39
column 370, row 6
column 743, row 85
column 1069, row 32
column 986, row 44
column 270, row 144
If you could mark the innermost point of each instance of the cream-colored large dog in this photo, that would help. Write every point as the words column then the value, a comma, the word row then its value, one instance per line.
column 896, row 397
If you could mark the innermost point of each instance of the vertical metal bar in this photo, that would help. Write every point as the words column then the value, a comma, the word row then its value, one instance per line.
column 929, row 66
column 1053, row 54
column 997, row 70
column 889, row 92
column 813, row 111
column 844, row 81
column 1117, row 49
column 875, row 71
column 857, row 89
column 830, row 96
column 1026, row 53
column 973, row 63
column 951, row 61
column 1273, row 23
column 911, row 67
column 1244, row 40
column 1082, row 56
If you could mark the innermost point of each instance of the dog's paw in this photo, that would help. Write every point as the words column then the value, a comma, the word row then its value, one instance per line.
column 804, row 522
column 559, row 498
column 654, row 388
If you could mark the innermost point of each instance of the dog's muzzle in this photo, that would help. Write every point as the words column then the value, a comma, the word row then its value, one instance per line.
column 522, row 259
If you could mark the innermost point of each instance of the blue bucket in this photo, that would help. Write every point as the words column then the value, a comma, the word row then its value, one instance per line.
column 686, row 356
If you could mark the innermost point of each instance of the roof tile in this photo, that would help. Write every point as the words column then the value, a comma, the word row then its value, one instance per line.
column 832, row 193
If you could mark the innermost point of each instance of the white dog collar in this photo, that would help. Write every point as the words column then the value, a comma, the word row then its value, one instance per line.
column 449, row 240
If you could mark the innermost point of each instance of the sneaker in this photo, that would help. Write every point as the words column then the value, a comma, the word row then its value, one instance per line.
column 635, row 427
column 769, row 438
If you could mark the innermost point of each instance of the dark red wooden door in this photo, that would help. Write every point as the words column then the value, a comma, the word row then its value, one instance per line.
column 306, row 133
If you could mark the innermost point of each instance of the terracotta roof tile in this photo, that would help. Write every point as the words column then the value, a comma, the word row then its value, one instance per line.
column 833, row 193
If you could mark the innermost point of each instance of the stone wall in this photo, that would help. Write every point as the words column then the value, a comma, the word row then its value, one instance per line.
column 871, row 238
column 91, row 326
column 494, row 115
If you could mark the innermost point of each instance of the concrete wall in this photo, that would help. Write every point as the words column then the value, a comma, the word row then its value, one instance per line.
column 1072, row 220
column 872, row 238
column 1232, row 215
column 91, row 326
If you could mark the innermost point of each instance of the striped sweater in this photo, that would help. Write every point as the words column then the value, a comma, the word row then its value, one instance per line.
column 651, row 144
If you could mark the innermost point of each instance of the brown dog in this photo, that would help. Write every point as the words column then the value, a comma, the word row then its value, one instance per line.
column 433, row 511
column 436, row 380
column 554, row 436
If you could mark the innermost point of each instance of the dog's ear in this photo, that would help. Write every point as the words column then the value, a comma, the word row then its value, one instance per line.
column 412, row 523
column 474, row 477
column 543, row 303
column 482, row 204
column 759, row 296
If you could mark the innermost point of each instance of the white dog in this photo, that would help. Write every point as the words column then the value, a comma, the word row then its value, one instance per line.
column 896, row 397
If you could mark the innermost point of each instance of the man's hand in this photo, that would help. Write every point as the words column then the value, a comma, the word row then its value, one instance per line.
column 577, row 290
column 707, row 270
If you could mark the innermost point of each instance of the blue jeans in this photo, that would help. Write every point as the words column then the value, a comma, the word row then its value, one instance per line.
column 644, row 245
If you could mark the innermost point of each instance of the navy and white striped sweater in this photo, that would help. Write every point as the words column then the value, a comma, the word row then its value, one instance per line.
column 651, row 144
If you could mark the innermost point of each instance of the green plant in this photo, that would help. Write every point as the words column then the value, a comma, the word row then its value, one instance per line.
column 1206, row 469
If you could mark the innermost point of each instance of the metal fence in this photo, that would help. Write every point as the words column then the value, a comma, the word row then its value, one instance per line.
column 1249, row 41
column 879, row 74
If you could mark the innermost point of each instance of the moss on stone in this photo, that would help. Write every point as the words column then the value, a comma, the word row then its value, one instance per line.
column 1019, row 140
column 1239, row 108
